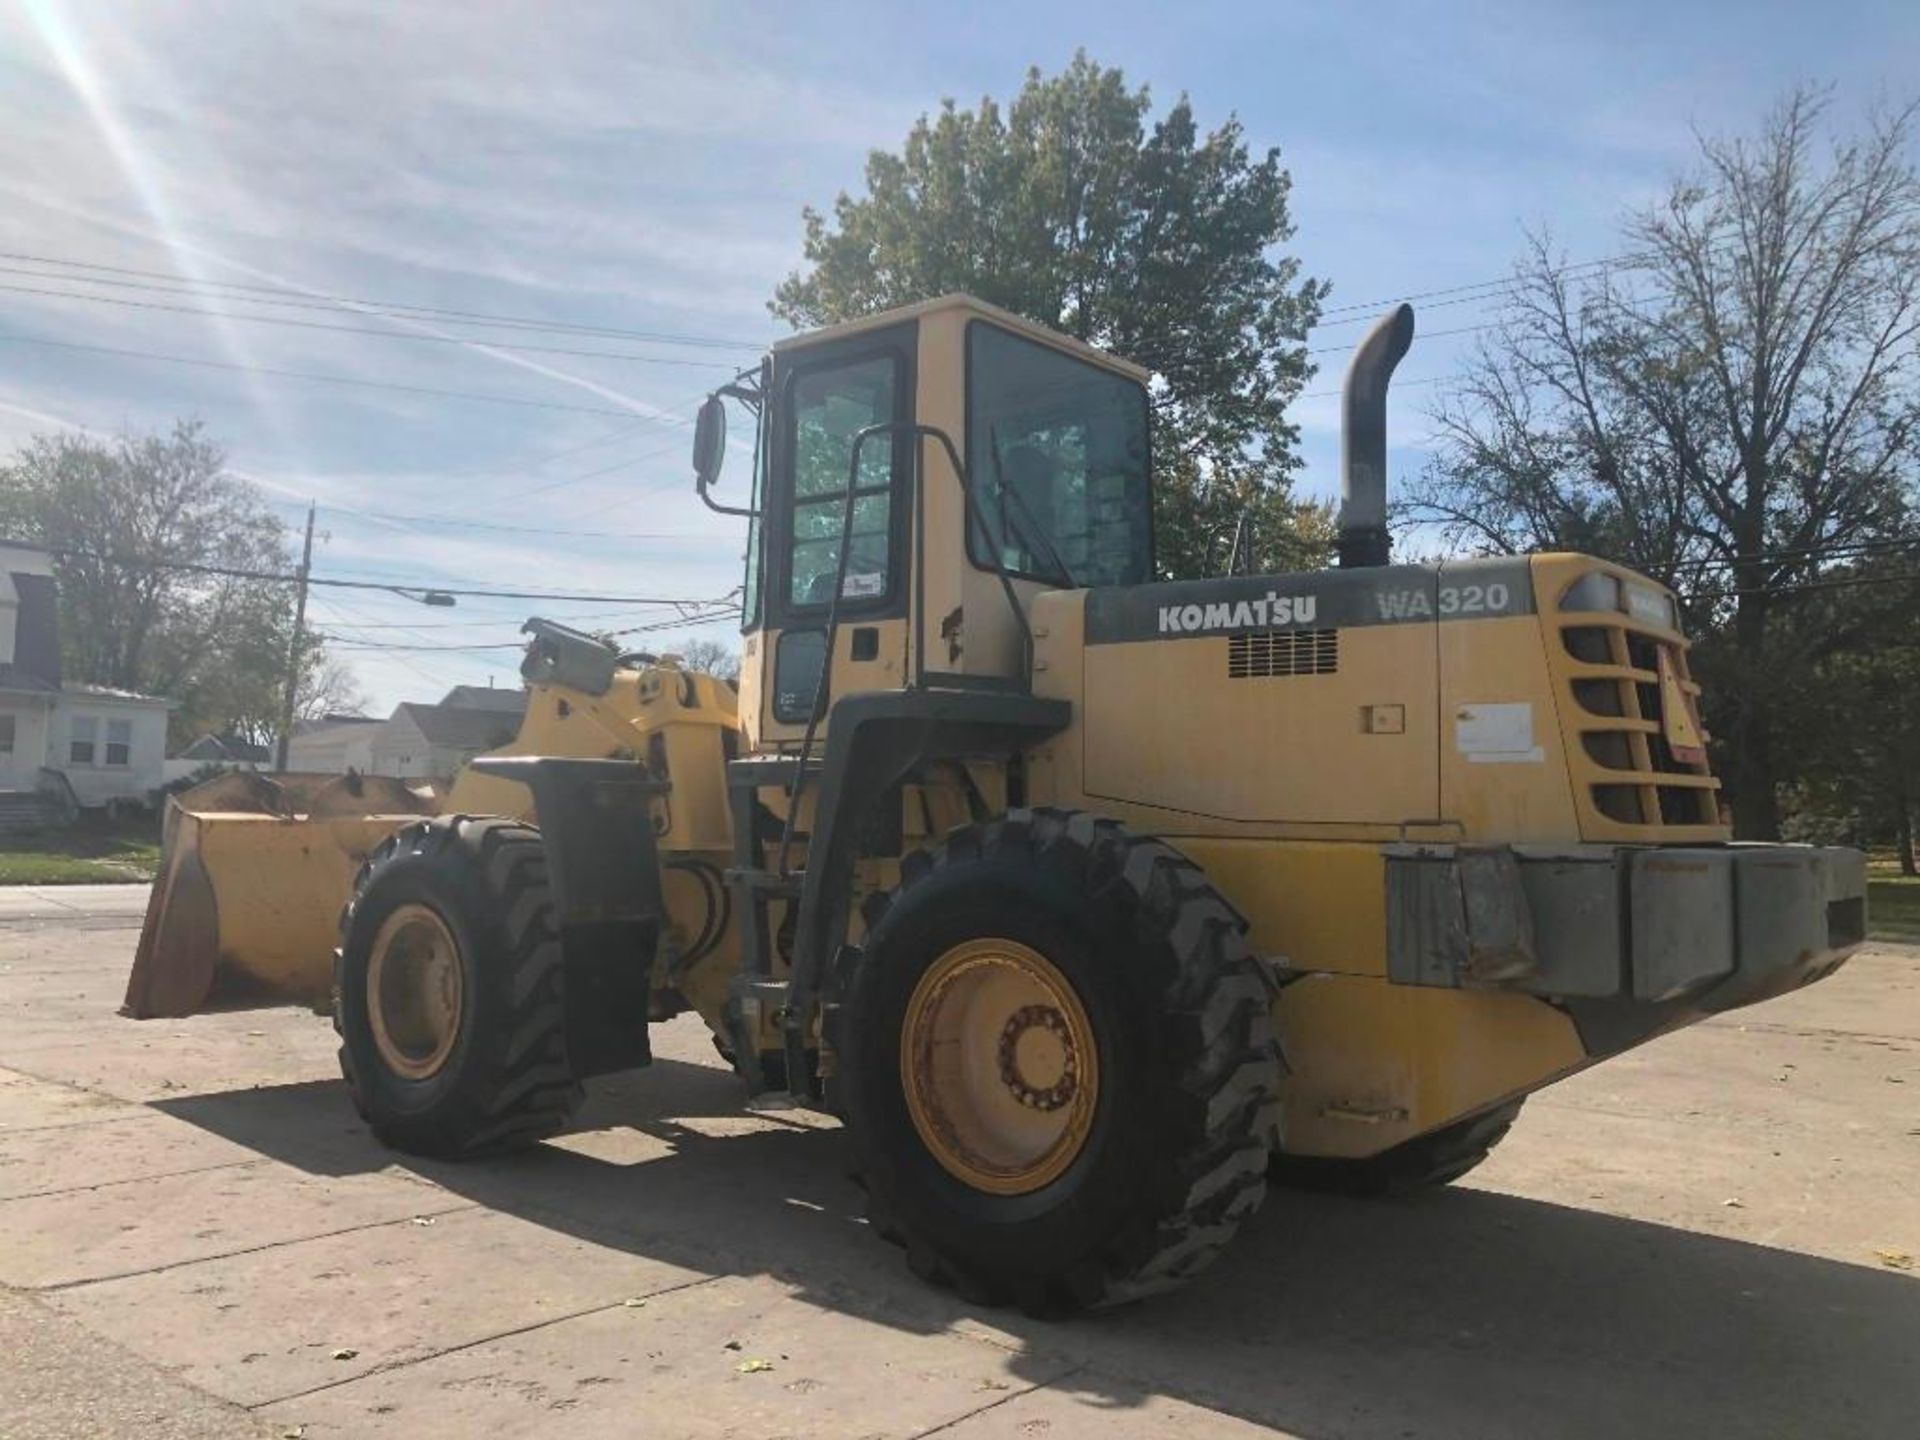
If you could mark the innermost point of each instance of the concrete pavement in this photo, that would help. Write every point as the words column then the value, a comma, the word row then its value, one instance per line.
column 1693, row 1239
column 68, row 902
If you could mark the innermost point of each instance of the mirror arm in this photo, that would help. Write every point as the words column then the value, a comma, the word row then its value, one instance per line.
column 700, row 485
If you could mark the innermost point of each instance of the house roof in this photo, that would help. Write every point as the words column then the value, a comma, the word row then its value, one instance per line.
column 36, row 628
column 486, row 697
column 224, row 747
column 447, row 725
column 16, row 680
column 333, row 722
column 108, row 692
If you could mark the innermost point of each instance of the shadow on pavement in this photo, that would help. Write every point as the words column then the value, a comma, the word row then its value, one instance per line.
column 1464, row 1312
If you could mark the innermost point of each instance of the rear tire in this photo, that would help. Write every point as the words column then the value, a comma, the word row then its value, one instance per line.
column 1139, row 992
column 501, row 1078
column 1426, row 1161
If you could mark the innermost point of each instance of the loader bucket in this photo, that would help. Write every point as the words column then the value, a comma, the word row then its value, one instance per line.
column 254, row 872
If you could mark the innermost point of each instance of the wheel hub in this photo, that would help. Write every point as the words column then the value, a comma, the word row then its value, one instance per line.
column 1037, row 1060
column 999, row 1066
column 415, row 991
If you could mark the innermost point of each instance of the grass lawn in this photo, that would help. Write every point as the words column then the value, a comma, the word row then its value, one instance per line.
column 1893, row 902
column 90, row 852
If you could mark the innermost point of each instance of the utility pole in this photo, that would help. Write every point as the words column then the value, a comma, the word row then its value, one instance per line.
column 293, row 647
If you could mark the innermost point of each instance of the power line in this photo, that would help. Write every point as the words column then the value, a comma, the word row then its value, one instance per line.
column 423, row 671
column 1436, row 335
column 386, row 385
column 281, row 295
column 458, row 523
column 712, row 611
column 466, row 341
column 498, row 622
column 1911, row 577
column 1849, row 550
column 343, row 583
column 1397, row 385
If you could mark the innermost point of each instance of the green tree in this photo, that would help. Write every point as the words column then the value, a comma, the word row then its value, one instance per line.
column 714, row 657
column 1077, row 209
column 134, row 525
column 1855, row 713
column 1732, row 407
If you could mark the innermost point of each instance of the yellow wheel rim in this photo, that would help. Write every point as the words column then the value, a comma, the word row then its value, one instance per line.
column 414, row 991
column 999, row 1066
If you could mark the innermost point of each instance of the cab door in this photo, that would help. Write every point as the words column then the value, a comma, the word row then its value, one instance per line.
column 823, row 396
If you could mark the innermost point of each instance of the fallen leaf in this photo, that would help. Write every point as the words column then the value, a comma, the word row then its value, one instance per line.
column 423, row 1219
column 1895, row 1259
column 634, row 1303
column 731, row 1345
column 993, row 1385
column 753, row 1367
column 293, row 1432
column 343, row 1353
column 1733, row 1204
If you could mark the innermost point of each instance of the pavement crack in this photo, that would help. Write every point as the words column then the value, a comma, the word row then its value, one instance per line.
column 999, row 1400
column 139, row 1113
column 546, row 1322
column 62, row 1285
column 135, row 1179
column 1812, row 1032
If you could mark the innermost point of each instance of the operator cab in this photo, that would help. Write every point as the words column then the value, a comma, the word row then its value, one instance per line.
column 1052, row 437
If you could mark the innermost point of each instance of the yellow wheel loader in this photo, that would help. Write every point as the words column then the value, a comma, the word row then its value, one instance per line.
column 1092, row 904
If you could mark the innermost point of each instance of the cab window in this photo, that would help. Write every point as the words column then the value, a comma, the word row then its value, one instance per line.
column 829, row 406
column 1058, row 452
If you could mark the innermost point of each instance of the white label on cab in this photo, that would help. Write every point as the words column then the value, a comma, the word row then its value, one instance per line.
column 1496, row 734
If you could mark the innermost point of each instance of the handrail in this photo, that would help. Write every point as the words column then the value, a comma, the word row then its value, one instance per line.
column 822, row 686
column 970, row 503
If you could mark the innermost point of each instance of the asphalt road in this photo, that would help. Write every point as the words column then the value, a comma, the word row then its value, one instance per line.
column 198, row 1238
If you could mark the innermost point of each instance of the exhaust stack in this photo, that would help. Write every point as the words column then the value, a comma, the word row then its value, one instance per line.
column 1363, row 536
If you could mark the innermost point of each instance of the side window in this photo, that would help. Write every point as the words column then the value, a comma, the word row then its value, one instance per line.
column 83, row 733
column 829, row 407
column 6, row 734
column 119, row 742
column 1058, row 449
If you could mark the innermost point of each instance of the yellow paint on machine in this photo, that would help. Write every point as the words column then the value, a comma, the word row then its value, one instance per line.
column 1163, row 726
column 255, row 870
column 1371, row 1064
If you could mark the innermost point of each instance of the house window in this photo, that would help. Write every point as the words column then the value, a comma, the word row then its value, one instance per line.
column 82, row 732
column 120, row 742
column 6, row 735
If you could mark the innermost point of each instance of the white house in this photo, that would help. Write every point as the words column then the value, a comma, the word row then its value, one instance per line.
column 228, row 752
column 417, row 741
column 110, row 745
column 428, row 740
column 332, row 745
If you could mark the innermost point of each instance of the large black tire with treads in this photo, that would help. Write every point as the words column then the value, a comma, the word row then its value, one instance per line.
column 505, row 1082
column 1418, row 1164
column 1173, row 1152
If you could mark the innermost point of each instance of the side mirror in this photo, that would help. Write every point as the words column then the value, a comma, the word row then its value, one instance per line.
column 709, row 440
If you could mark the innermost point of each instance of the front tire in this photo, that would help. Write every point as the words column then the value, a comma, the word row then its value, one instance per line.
column 1057, row 1064
column 449, row 991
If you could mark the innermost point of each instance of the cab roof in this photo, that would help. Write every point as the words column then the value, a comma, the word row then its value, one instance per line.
column 978, row 308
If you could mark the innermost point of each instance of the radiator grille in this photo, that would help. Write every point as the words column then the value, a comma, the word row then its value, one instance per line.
column 1636, row 779
column 1264, row 653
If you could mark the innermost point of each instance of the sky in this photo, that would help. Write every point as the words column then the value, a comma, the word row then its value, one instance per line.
column 216, row 209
